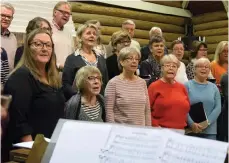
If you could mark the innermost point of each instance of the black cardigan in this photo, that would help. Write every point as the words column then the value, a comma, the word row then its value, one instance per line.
column 72, row 64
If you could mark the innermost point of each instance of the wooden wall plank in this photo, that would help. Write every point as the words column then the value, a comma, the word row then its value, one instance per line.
column 211, row 25
column 126, row 13
column 212, row 32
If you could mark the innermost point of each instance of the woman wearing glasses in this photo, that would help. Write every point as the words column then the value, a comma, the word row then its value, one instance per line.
column 200, row 90
column 119, row 40
column 87, row 104
column 37, row 100
column 199, row 51
column 169, row 101
column 126, row 96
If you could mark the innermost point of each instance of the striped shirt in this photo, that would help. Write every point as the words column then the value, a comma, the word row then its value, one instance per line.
column 91, row 111
column 4, row 66
column 127, row 102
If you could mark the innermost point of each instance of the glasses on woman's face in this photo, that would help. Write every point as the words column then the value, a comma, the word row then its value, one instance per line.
column 173, row 66
column 203, row 50
column 203, row 67
column 40, row 45
column 94, row 78
column 124, row 42
column 131, row 59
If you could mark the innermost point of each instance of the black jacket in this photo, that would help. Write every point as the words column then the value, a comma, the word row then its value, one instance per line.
column 72, row 64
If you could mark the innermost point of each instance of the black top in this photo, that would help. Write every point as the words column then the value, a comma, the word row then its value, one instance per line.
column 112, row 66
column 35, row 107
column 145, row 52
column 4, row 66
column 18, row 55
column 150, row 67
column 72, row 64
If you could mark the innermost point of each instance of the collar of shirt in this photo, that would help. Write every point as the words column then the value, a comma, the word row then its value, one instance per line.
column 79, row 51
column 5, row 33
column 57, row 26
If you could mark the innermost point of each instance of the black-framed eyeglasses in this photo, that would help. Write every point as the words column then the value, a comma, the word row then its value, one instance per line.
column 64, row 12
column 124, row 42
column 93, row 78
column 40, row 45
column 6, row 16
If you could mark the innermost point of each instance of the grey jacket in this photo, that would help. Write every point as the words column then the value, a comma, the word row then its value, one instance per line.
column 73, row 105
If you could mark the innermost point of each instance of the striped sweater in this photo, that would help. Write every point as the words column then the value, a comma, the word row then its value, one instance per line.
column 127, row 102
column 4, row 66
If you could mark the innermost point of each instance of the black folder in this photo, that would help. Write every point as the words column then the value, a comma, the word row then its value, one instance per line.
column 197, row 112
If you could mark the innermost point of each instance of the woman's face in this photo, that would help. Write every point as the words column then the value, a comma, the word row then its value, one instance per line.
column 202, row 52
column 158, row 49
column 93, row 84
column 169, row 70
column 178, row 51
column 202, row 71
column 45, row 26
column 125, row 42
column 223, row 57
column 41, row 47
column 130, row 63
column 89, row 37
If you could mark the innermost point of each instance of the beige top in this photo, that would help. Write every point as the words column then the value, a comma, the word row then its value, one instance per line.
column 127, row 102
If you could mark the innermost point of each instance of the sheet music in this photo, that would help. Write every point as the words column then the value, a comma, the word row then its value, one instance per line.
column 132, row 145
column 187, row 149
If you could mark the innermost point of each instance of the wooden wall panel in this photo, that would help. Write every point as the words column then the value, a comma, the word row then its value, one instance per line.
column 168, row 3
column 111, row 19
column 214, row 27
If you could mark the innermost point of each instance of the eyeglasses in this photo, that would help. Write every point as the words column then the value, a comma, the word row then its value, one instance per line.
column 6, row 16
column 170, row 66
column 64, row 12
column 131, row 59
column 93, row 78
column 40, row 45
column 202, row 67
column 178, row 49
column 203, row 50
column 124, row 42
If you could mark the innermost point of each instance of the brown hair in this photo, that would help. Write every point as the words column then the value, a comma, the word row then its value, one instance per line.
column 28, row 61
column 36, row 23
column 175, row 42
column 196, row 46
column 118, row 36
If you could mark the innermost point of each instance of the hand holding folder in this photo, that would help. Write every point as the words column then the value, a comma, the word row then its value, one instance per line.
column 198, row 115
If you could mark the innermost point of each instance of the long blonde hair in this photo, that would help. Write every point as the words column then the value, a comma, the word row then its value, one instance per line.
column 28, row 61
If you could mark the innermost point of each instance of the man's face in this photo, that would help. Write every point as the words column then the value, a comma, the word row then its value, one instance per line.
column 129, row 28
column 6, row 17
column 62, row 15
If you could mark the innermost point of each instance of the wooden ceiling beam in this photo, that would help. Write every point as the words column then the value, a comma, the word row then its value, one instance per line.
column 185, row 4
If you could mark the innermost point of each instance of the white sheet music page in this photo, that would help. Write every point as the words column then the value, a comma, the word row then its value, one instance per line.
column 80, row 142
column 133, row 145
column 187, row 149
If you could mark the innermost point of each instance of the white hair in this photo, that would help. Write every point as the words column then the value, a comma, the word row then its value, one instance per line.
column 201, row 61
column 8, row 6
column 170, row 58
column 129, row 21
column 153, row 29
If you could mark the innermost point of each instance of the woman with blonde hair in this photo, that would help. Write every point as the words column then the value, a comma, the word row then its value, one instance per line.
column 35, row 86
column 126, row 96
column 169, row 101
column 219, row 65
column 84, row 55
column 87, row 104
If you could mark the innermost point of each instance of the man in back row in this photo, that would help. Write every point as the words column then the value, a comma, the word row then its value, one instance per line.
column 129, row 27
column 62, row 38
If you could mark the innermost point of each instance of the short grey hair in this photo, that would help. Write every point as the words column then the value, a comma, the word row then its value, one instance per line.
column 82, row 74
column 170, row 58
column 201, row 61
column 153, row 29
column 125, row 52
column 129, row 21
column 8, row 6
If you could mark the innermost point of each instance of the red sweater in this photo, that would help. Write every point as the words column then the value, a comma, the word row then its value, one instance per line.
column 169, row 104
